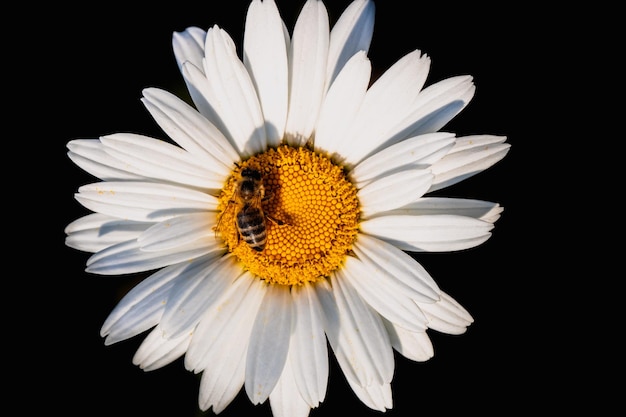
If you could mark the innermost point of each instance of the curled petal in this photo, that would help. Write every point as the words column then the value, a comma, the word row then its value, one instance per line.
column 220, row 386
column 414, row 345
column 469, row 156
column 447, row 315
column 156, row 350
column 188, row 46
column 376, row 396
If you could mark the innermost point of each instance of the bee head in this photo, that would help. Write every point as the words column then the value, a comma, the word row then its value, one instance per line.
column 250, row 173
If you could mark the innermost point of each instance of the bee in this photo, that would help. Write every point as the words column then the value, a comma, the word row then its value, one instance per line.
column 249, row 216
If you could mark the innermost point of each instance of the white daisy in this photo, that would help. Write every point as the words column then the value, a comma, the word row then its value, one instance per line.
column 346, row 169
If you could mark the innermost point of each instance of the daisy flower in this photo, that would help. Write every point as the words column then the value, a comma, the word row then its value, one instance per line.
column 281, row 222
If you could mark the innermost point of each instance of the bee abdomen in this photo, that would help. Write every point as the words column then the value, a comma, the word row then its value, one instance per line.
column 251, row 225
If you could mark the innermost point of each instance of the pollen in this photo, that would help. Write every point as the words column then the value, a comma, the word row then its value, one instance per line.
column 311, row 216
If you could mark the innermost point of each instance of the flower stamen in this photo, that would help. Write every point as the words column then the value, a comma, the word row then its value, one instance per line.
column 312, row 216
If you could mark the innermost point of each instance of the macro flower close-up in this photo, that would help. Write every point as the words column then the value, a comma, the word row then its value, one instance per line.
column 281, row 218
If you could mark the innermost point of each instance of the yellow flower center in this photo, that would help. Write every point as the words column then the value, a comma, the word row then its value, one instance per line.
column 308, row 219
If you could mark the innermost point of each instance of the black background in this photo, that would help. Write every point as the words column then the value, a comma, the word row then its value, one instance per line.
column 89, row 64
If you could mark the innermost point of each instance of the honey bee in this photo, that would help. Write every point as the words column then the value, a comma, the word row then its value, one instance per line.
column 249, row 216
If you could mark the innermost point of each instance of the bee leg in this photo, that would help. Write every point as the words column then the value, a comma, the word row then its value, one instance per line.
column 269, row 194
column 216, row 228
column 275, row 220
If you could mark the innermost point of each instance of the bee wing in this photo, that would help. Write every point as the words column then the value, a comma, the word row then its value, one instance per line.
column 231, row 205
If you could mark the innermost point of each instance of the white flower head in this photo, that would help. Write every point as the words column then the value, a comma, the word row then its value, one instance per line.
column 280, row 219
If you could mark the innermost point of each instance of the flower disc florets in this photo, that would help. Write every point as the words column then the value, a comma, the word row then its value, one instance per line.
column 311, row 216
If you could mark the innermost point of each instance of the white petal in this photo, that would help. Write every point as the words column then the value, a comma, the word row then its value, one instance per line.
column 191, row 130
column 376, row 396
column 447, row 315
column 235, row 307
column 137, row 321
column 143, row 201
column 418, row 151
column 156, row 350
column 478, row 209
column 351, row 33
column 128, row 258
column 220, row 386
column 356, row 333
column 202, row 287
column 233, row 94
column 202, row 94
column 285, row 399
column 88, row 222
column 439, row 233
column 435, row 106
column 308, row 351
column 223, row 360
column 89, row 155
column 188, row 45
column 382, row 293
column 307, row 65
column 412, row 345
column 141, row 308
column 393, row 190
column 269, row 344
column 469, row 156
column 160, row 160
column 387, row 102
column 95, row 232
column 385, row 258
column 342, row 103
column 178, row 231
column 265, row 57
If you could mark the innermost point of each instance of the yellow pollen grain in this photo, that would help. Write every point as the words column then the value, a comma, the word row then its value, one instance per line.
column 315, row 214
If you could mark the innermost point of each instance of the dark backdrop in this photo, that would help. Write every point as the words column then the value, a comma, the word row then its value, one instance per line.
column 92, row 61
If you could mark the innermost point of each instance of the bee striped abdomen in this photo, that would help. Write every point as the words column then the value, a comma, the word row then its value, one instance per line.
column 251, row 225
